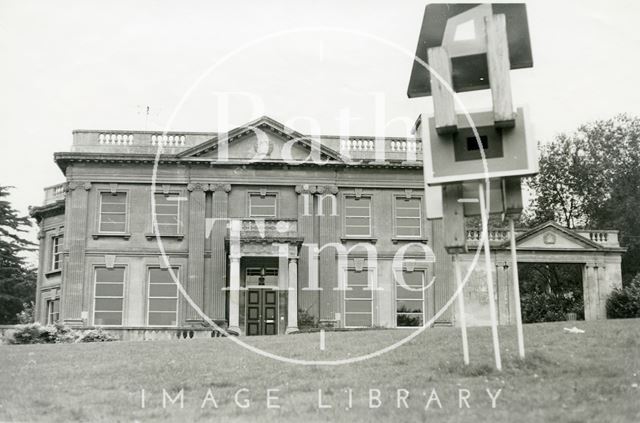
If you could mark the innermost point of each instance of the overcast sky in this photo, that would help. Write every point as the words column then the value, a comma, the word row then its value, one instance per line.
column 98, row 65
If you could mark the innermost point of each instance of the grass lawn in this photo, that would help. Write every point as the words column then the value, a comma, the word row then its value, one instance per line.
column 567, row 378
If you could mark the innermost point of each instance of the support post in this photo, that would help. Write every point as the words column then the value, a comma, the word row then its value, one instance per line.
column 499, row 67
column 487, row 261
column 461, row 313
column 292, row 305
column 516, row 287
column 444, row 108
column 234, row 295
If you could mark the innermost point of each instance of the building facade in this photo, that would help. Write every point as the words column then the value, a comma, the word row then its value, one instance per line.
column 260, row 226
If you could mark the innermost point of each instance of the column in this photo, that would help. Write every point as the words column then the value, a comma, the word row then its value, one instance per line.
column 292, row 315
column 309, row 300
column 328, row 272
column 588, row 288
column 234, row 295
column 215, row 298
column 195, row 283
column 503, row 284
column 75, row 240
column 601, row 293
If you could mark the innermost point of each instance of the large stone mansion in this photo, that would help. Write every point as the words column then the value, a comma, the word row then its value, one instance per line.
column 115, row 234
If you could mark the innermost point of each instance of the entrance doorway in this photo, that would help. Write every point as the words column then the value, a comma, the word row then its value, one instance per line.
column 262, row 311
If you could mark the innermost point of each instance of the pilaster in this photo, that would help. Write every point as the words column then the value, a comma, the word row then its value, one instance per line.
column 215, row 294
column 195, row 282
column 309, row 300
column 328, row 233
column 75, row 240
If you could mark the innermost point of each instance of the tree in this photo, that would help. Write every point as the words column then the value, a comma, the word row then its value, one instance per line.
column 591, row 179
column 17, row 280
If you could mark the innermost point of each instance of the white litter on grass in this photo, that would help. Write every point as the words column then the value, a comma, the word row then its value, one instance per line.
column 574, row 330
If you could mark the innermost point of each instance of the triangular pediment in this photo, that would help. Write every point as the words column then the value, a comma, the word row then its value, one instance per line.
column 261, row 140
column 554, row 237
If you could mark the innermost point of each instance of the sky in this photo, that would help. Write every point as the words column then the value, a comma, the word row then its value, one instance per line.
column 69, row 65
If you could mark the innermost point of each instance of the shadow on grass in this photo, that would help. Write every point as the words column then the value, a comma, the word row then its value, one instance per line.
column 534, row 363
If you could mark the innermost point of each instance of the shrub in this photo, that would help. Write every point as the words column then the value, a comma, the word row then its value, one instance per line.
column 306, row 320
column 625, row 303
column 549, row 307
column 33, row 333
column 96, row 335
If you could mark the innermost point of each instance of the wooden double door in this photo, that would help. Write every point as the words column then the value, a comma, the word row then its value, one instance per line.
column 262, row 311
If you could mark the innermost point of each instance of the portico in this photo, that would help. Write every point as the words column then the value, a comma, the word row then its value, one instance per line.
column 263, row 277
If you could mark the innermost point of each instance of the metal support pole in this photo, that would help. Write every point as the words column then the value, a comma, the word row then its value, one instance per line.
column 516, row 287
column 487, row 260
column 462, row 316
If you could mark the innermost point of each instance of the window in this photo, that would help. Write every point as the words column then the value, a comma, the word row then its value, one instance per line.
column 167, row 213
column 109, row 296
column 410, row 302
column 53, row 311
column 357, row 216
column 56, row 252
column 262, row 205
column 261, row 276
column 162, row 308
column 358, row 300
column 408, row 217
column 113, row 212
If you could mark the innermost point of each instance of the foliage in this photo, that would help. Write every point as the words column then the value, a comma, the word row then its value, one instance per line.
column 550, row 307
column 591, row 178
column 17, row 280
column 625, row 302
column 306, row 320
column 96, row 335
column 26, row 315
column 35, row 333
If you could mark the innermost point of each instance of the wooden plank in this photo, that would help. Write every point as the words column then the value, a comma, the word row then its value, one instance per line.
column 512, row 196
column 441, row 90
column 498, row 64
column 453, row 218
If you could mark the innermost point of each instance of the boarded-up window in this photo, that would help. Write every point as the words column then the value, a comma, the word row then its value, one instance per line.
column 163, row 298
column 167, row 213
column 262, row 205
column 358, row 299
column 408, row 217
column 113, row 212
column 357, row 216
column 109, row 296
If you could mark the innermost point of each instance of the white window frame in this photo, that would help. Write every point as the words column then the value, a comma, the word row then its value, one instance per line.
column 178, row 212
column 371, row 271
column 396, row 199
column 176, row 270
column 346, row 231
column 56, row 252
column 126, row 211
column 50, row 312
column 268, row 194
column 422, row 299
column 124, row 288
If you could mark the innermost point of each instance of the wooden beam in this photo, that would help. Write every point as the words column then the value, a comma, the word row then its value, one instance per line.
column 455, row 237
column 443, row 102
column 499, row 66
